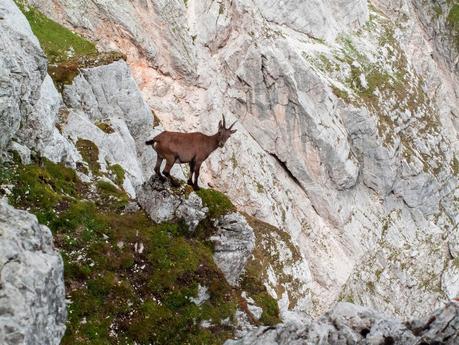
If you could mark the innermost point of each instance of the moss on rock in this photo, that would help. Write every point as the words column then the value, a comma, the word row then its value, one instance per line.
column 90, row 153
column 218, row 203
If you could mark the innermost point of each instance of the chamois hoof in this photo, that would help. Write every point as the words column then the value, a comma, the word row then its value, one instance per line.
column 196, row 188
column 189, row 182
column 175, row 183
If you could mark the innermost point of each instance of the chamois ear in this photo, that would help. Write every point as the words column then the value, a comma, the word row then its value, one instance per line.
column 220, row 124
column 233, row 131
column 232, row 124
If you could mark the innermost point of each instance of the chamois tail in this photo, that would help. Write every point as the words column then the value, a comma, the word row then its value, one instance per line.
column 154, row 140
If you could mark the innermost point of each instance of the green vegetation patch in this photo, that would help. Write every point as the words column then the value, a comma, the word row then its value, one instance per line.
column 129, row 280
column 64, row 73
column 453, row 21
column 105, row 127
column 58, row 42
column 67, row 51
column 111, row 196
column 218, row 203
column 90, row 153
column 118, row 173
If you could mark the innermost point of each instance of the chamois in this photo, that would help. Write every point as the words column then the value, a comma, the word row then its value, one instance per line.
column 192, row 148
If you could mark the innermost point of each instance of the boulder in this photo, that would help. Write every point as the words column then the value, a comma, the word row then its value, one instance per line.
column 352, row 324
column 32, row 292
column 233, row 243
column 163, row 204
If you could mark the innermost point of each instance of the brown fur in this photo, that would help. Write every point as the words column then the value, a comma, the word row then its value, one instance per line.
column 191, row 148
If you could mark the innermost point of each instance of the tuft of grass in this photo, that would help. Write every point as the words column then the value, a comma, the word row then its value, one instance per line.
column 58, row 42
column 111, row 196
column 105, row 127
column 90, row 153
column 453, row 21
column 118, row 172
column 218, row 203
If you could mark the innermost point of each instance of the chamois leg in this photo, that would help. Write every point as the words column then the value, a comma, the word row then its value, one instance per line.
column 196, row 175
column 159, row 161
column 166, row 172
column 190, row 180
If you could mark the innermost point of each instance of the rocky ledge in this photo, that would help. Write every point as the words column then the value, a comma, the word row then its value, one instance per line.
column 351, row 324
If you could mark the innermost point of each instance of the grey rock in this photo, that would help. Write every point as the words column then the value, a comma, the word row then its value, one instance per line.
column 168, row 47
column 29, row 102
column 22, row 151
column 22, row 70
column 255, row 310
column 351, row 324
column 450, row 279
column 109, row 93
column 38, row 129
column 32, row 296
column 202, row 296
column 316, row 18
column 453, row 243
column 162, row 203
column 233, row 243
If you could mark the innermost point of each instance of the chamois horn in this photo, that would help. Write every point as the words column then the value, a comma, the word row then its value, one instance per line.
column 224, row 121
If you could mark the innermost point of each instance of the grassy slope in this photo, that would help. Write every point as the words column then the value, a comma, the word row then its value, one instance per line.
column 120, row 295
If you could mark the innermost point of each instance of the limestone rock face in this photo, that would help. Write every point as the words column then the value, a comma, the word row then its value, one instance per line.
column 108, row 96
column 347, row 132
column 29, row 102
column 351, row 324
column 22, row 69
column 450, row 279
column 32, row 295
column 167, row 47
column 233, row 244
column 321, row 19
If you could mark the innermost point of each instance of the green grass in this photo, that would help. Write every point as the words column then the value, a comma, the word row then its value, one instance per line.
column 105, row 127
column 453, row 21
column 112, row 197
column 58, row 43
column 118, row 173
column 218, row 203
column 90, row 153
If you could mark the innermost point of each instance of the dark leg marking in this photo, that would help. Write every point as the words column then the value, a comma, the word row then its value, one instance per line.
column 166, row 172
column 196, row 176
column 190, row 179
column 159, row 161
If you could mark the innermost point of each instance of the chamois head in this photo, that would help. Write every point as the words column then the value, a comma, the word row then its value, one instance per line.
column 223, row 132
